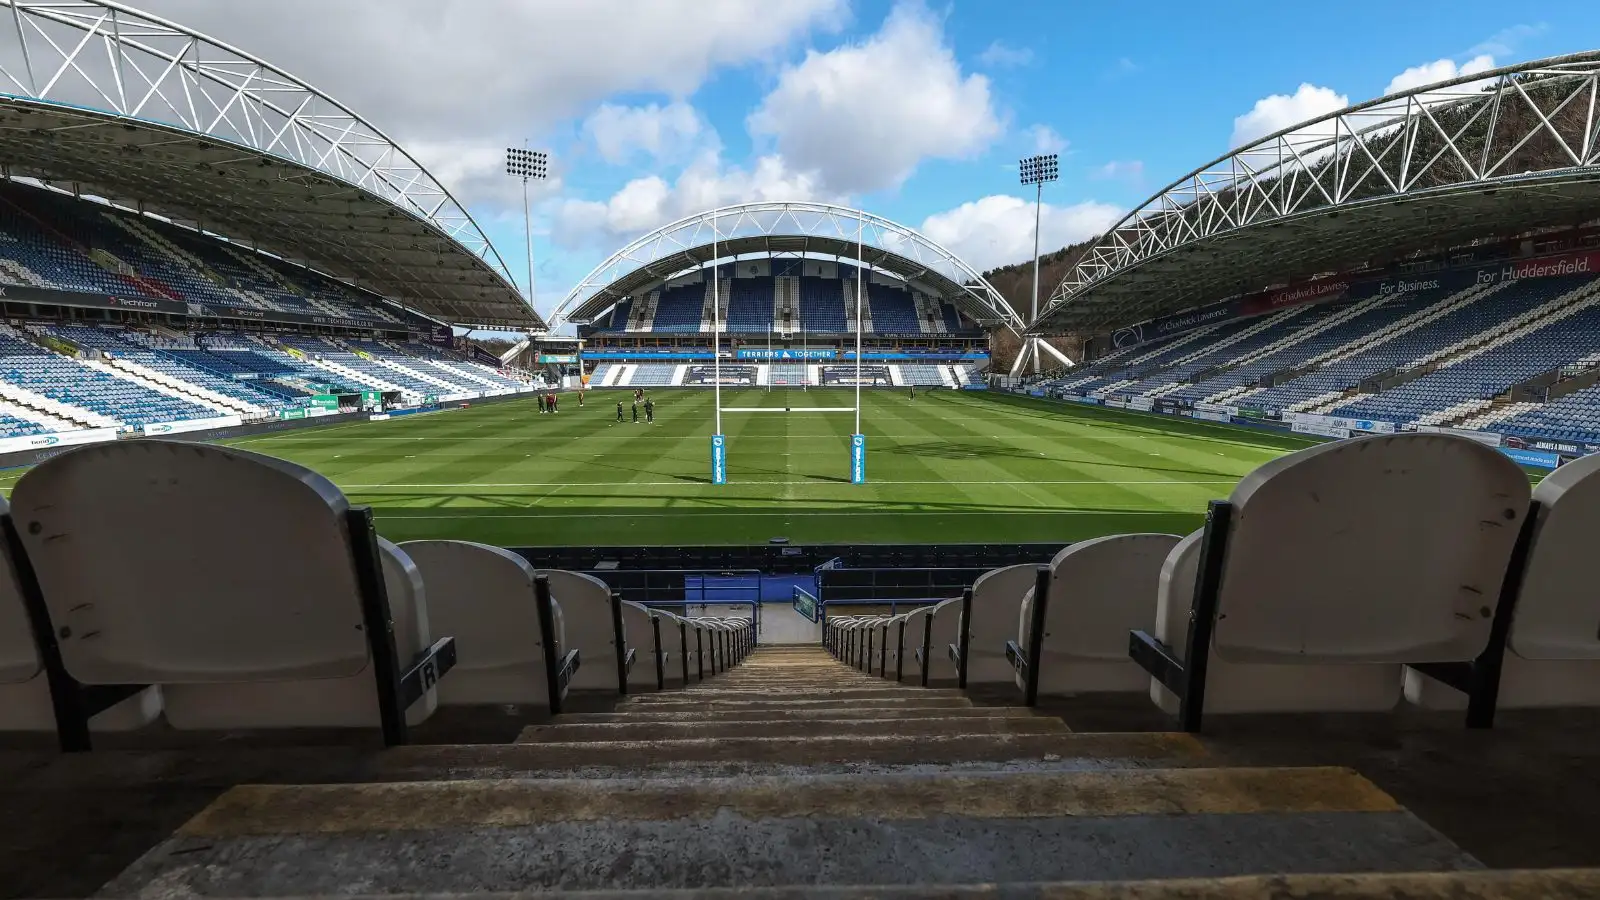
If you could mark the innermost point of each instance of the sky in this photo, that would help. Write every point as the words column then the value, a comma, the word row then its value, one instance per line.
column 912, row 109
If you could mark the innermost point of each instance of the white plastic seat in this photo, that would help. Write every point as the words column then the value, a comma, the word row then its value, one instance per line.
column 25, row 703
column 915, row 622
column 1100, row 590
column 638, row 630
column 1552, row 656
column 226, row 577
column 586, row 618
column 996, row 597
column 1343, row 561
column 484, row 597
column 946, row 631
column 678, row 641
column 892, row 658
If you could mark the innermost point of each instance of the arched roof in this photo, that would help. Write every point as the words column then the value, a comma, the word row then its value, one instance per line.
column 105, row 100
column 1493, row 153
column 799, row 228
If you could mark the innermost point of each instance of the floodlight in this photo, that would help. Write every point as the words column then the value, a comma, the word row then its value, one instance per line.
column 1039, row 169
column 527, row 163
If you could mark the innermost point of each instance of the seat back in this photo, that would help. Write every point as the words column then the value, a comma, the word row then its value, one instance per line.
column 1425, row 524
column 946, row 631
column 639, row 631
column 996, row 597
column 225, row 576
column 19, row 654
column 585, row 603
column 1100, row 590
column 349, row 702
column 483, row 596
column 1553, row 656
column 678, row 643
column 1557, row 616
column 177, row 563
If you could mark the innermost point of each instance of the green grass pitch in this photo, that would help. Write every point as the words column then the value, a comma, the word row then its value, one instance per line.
column 947, row 467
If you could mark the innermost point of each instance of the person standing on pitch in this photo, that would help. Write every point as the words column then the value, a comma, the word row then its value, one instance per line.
column 555, row 403
column 541, row 404
column 619, row 410
column 649, row 411
column 636, row 412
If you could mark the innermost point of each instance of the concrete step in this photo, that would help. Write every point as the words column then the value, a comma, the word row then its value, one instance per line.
column 688, row 834
column 561, row 731
column 634, row 714
column 1544, row 884
column 680, row 703
column 608, row 759
column 712, row 692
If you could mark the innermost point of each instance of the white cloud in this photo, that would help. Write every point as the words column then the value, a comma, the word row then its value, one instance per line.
column 1506, row 41
column 1129, row 169
column 864, row 115
column 1000, row 55
column 998, row 230
column 621, row 132
column 486, row 74
column 1437, row 71
column 1280, row 111
column 1046, row 140
column 649, row 202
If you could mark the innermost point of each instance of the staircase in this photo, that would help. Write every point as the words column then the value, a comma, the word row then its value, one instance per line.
column 795, row 771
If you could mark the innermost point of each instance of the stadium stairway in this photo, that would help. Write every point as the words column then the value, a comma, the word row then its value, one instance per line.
column 790, row 776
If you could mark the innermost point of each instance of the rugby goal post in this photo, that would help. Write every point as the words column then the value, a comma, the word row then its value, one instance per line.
column 719, row 441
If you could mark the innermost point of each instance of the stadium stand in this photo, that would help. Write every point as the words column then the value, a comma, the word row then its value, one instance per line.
column 1495, row 356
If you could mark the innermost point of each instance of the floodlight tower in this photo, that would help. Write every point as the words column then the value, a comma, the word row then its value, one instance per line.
column 1037, row 171
column 528, row 165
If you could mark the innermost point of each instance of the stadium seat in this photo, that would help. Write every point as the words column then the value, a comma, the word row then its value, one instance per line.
column 589, row 628
column 245, row 586
column 916, row 627
column 25, row 698
column 1100, row 590
column 1552, row 653
column 946, row 630
column 675, row 637
column 484, row 597
column 638, row 633
column 1330, row 568
column 996, row 597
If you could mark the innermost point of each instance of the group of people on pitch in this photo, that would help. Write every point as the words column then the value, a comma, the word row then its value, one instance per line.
column 649, row 408
column 550, row 402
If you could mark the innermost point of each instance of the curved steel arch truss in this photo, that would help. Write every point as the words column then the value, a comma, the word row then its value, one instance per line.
column 1521, row 128
column 100, row 55
column 798, row 228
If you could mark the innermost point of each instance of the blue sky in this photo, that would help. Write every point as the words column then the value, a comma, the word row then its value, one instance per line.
column 917, row 111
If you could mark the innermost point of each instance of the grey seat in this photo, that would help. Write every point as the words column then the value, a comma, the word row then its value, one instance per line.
column 1342, row 562
column 1100, row 590
column 484, row 597
column 259, row 624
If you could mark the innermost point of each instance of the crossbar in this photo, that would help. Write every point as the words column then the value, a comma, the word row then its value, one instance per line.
column 774, row 409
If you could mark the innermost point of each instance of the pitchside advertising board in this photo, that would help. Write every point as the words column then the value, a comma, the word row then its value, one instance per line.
column 719, row 459
column 1450, row 280
column 57, row 439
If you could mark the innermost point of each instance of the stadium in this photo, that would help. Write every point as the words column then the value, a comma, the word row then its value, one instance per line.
column 761, row 567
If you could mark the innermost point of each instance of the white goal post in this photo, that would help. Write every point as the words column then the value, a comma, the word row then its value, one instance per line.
column 718, row 440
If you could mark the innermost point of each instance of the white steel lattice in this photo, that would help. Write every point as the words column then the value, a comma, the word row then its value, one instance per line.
column 110, row 57
column 1488, row 129
column 792, row 229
